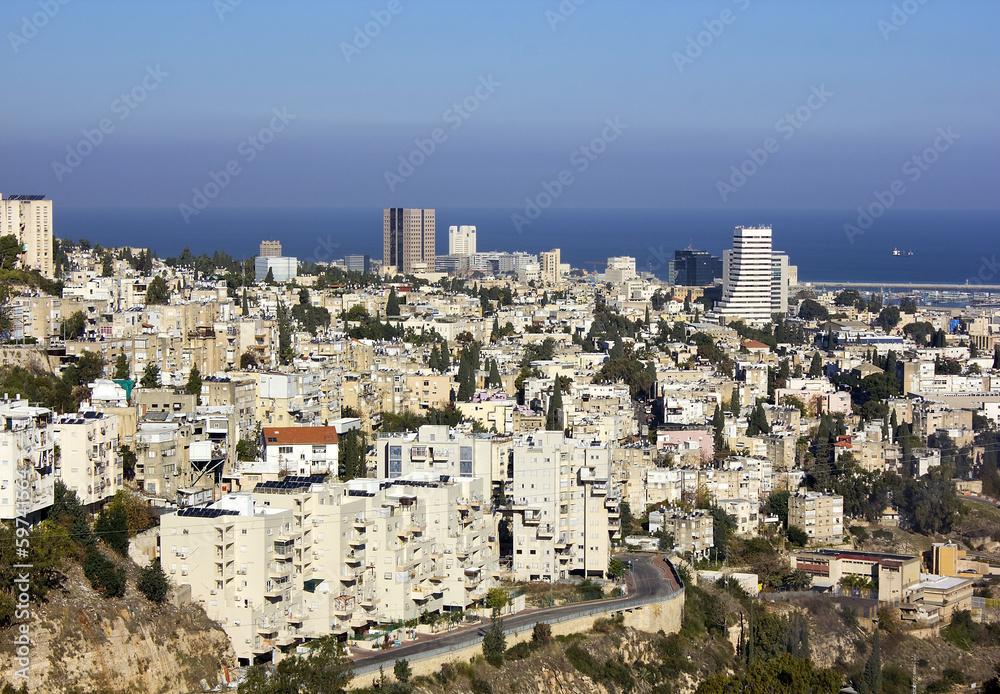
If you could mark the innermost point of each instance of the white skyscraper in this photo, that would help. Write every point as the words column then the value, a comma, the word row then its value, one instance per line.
column 747, row 276
column 461, row 240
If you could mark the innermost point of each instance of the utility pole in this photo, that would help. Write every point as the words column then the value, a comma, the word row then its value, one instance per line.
column 913, row 683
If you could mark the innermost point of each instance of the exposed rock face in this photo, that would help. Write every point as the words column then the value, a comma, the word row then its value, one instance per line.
column 83, row 643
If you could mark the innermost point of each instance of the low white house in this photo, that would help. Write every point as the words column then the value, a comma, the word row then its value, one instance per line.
column 302, row 450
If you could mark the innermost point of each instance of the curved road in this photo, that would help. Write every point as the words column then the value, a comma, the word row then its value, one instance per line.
column 651, row 578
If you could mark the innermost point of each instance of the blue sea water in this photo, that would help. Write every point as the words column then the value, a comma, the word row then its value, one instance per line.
column 948, row 246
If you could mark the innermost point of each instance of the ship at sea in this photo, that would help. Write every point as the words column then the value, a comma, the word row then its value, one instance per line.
column 901, row 254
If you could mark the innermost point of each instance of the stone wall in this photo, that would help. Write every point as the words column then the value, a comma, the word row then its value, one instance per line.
column 651, row 617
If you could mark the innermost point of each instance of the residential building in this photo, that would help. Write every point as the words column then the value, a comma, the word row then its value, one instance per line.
column 408, row 239
column 462, row 240
column 550, row 266
column 820, row 515
column 620, row 269
column 693, row 531
column 746, row 513
column 747, row 276
column 780, row 279
column 563, row 505
column 29, row 219
column 27, row 479
column 89, row 462
column 302, row 451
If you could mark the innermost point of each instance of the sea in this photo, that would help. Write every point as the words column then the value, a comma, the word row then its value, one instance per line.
column 939, row 246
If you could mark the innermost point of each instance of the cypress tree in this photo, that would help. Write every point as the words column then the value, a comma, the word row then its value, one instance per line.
column 871, row 677
column 718, row 422
column 445, row 356
column 392, row 304
column 816, row 367
column 434, row 360
column 553, row 420
column 495, row 374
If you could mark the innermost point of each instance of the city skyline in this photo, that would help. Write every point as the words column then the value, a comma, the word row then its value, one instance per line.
column 733, row 105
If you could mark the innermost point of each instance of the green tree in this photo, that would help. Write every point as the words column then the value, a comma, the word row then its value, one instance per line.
column 810, row 309
column 554, row 417
column 10, row 250
column 121, row 367
column 871, row 677
column 718, row 423
column 402, row 670
column 494, row 642
column 888, row 318
column 757, row 421
column 466, row 376
column 129, row 459
column 325, row 670
column 392, row 304
column 112, row 527
column 269, row 277
column 150, row 376
column 816, row 366
column 193, row 386
column 153, row 582
column 495, row 379
column 157, row 292
column 797, row 536
column 246, row 449
column 89, row 366
column 777, row 505
column 74, row 326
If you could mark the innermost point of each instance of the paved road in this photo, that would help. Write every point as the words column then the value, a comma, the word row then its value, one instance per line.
column 650, row 577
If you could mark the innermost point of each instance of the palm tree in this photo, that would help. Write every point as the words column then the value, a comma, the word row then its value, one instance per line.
column 797, row 580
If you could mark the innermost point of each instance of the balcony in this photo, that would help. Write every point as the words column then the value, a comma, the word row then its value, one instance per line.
column 353, row 559
column 546, row 530
column 532, row 517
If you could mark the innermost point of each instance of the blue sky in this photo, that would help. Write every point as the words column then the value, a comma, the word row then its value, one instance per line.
column 216, row 71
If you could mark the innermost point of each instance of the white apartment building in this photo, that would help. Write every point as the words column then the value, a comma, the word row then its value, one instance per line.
column 462, row 240
column 27, row 479
column 820, row 515
column 564, row 507
column 440, row 449
column 299, row 559
column 745, row 511
column 89, row 462
column 620, row 269
column 781, row 273
column 29, row 218
column 747, row 275
column 302, row 450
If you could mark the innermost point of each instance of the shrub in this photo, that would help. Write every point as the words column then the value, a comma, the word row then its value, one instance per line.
column 479, row 686
column 446, row 674
column 153, row 582
column 541, row 634
column 519, row 651
column 953, row 675
column 104, row 576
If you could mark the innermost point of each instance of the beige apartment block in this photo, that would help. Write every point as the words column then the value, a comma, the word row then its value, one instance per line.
column 89, row 461
column 820, row 515
column 298, row 559
column 29, row 219
column 563, row 505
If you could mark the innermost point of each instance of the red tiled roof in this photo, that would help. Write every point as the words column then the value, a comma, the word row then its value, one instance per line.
column 290, row 436
column 753, row 344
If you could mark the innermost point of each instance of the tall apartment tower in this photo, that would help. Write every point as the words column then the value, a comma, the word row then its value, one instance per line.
column 461, row 240
column 747, row 274
column 29, row 219
column 780, row 274
column 549, row 262
column 270, row 249
column 408, row 239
